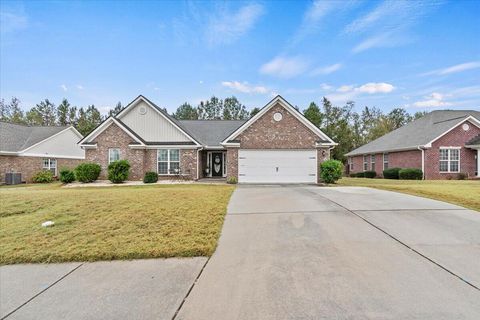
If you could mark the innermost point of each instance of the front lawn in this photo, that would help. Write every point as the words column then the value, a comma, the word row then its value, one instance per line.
column 464, row 193
column 110, row 223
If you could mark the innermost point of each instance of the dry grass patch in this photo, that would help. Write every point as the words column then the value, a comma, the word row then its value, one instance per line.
column 465, row 193
column 110, row 223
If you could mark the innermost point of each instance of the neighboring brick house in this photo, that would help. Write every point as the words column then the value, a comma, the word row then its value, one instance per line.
column 277, row 145
column 30, row 149
column 443, row 144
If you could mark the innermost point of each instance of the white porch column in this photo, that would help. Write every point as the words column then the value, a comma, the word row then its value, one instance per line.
column 478, row 162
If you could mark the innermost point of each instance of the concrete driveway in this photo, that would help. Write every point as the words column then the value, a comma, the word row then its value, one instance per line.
column 304, row 252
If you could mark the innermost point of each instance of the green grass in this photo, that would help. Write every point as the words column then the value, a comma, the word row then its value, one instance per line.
column 465, row 193
column 110, row 223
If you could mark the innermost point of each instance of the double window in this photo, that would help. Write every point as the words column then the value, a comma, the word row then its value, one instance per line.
column 113, row 155
column 365, row 162
column 168, row 161
column 372, row 162
column 385, row 161
column 449, row 160
column 50, row 165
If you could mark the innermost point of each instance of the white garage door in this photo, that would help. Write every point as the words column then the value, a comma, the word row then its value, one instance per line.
column 277, row 166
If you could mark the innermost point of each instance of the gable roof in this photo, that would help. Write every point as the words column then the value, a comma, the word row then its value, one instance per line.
column 104, row 125
column 15, row 138
column 325, row 140
column 211, row 132
column 419, row 133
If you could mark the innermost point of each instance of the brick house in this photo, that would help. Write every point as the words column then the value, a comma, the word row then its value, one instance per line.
column 30, row 149
column 277, row 145
column 443, row 144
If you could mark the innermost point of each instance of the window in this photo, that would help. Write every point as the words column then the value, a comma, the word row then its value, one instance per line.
column 449, row 160
column 113, row 155
column 50, row 165
column 350, row 163
column 365, row 163
column 372, row 161
column 168, row 161
column 385, row 161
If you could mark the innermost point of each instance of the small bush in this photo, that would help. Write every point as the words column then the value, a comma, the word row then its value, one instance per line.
column 118, row 171
column 331, row 171
column 67, row 176
column 370, row 174
column 391, row 173
column 87, row 172
column 410, row 174
column 150, row 177
column 353, row 175
column 43, row 176
column 360, row 174
column 232, row 180
column 462, row 176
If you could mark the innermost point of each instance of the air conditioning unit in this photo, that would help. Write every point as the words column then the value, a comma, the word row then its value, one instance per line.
column 13, row 178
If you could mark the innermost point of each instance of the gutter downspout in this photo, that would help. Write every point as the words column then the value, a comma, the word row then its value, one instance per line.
column 423, row 161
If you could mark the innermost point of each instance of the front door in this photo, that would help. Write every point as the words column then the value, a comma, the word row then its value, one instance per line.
column 217, row 164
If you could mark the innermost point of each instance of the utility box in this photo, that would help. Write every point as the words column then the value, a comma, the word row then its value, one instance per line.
column 13, row 178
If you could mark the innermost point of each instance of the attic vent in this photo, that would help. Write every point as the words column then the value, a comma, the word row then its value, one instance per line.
column 465, row 127
column 142, row 110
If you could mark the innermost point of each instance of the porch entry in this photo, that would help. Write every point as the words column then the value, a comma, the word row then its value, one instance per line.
column 216, row 164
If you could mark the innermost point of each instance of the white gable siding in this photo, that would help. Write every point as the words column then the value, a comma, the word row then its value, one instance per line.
column 152, row 126
column 61, row 145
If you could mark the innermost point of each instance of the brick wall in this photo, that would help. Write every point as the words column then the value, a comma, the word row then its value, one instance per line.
column 232, row 163
column 28, row 166
column 455, row 138
column 141, row 160
column 399, row 159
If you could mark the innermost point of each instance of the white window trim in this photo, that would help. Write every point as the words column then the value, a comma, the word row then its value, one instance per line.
column 50, row 164
column 388, row 160
column 350, row 163
column 168, row 161
column 449, row 160
column 365, row 163
column 119, row 154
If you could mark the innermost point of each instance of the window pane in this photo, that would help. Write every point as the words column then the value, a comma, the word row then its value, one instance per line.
column 52, row 170
column 163, row 155
column 162, row 168
column 454, row 154
column 454, row 166
column 53, row 163
column 443, row 166
column 373, row 166
column 174, row 155
column 373, row 158
column 443, row 154
column 385, row 157
column 174, row 167
column 46, row 164
column 385, row 165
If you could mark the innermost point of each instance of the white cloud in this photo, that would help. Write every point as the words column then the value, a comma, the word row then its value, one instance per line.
column 10, row 22
column 345, row 88
column 327, row 69
column 376, row 87
column 225, row 27
column 434, row 100
column 326, row 87
column 285, row 67
column 244, row 87
column 454, row 69
column 383, row 40
column 79, row 87
column 64, row 87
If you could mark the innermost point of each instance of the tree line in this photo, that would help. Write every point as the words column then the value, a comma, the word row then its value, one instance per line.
column 349, row 128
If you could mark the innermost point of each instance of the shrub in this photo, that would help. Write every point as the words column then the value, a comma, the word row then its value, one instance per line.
column 331, row 171
column 87, row 172
column 370, row 174
column 353, row 175
column 43, row 176
column 360, row 174
column 67, row 176
column 391, row 173
column 232, row 180
column 410, row 174
column 150, row 177
column 462, row 176
column 118, row 171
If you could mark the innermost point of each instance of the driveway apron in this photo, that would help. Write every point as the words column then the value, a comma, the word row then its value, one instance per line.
column 305, row 252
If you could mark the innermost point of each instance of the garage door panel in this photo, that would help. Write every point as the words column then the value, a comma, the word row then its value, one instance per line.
column 277, row 166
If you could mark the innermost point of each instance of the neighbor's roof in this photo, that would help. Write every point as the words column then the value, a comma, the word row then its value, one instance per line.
column 211, row 132
column 15, row 137
column 417, row 133
column 473, row 142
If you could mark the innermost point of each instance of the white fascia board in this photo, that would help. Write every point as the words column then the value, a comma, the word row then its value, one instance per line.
column 9, row 153
column 136, row 146
column 104, row 126
column 231, row 144
column 473, row 146
column 472, row 119
column 289, row 108
column 51, row 137
column 47, row 155
column 384, row 151
column 141, row 98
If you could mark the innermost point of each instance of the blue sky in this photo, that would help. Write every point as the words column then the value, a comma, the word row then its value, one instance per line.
column 417, row 55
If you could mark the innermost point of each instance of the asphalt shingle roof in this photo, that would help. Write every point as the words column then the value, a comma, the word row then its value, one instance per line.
column 211, row 132
column 473, row 142
column 416, row 133
column 15, row 137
